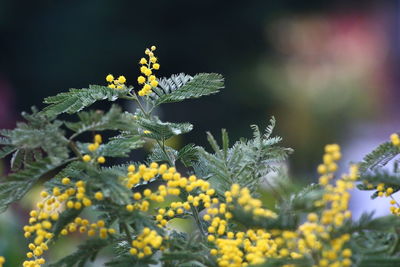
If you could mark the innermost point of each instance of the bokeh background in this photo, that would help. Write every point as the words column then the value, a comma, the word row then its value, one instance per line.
column 327, row 70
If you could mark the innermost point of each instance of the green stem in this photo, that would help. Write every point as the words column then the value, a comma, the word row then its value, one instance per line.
column 197, row 219
column 125, row 229
column 74, row 149
column 135, row 98
column 162, row 146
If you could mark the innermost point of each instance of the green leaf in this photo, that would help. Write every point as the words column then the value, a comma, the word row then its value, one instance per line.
column 365, row 244
column 159, row 155
column 6, row 150
column 19, row 183
column 246, row 163
column 97, row 120
column 188, row 155
column 368, row 222
column 29, row 139
column 65, row 218
column 271, row 262
column 17, row 159
column 120, row 146
column 379, row 262
column 130, row 261
column 379, row 157
column 381, row 176
column 376, row 177
column 162, row 130
column 108, row 181
column 285, row 220
column 77, row 99
column 85, row 252
column 181, row 87
column 304, row 200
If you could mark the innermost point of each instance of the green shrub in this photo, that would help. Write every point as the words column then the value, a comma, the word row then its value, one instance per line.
column 135, row 203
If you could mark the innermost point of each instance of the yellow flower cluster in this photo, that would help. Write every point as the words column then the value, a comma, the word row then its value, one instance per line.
column 97, row 140
column 231, row 247
column 148, row 65
column 40, row 223
column 2, row 261
column 116, row 83
column 329, row 166
column 47, row 212
column 77, row 195
column 83, row 225
column 335, row 200
column 239, row 248
column 314, row 236
column 245, row 248
column 144, row 243
column 198, row 193
column 244, row 199
column 395, row 139
column 198, row 189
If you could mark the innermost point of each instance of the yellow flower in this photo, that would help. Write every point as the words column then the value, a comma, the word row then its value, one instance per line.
column 86, row 158
column 101, row 160
column 121, row 79
column 110, row 78
column 141, row 80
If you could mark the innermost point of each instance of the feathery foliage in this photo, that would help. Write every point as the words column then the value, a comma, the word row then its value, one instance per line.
column 77, row 99
column 247, row 162
column 180, row 87
column 133, row 205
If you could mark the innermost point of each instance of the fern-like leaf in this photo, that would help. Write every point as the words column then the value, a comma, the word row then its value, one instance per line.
column 379, row 157
column 188, row 155
column 120, row 146
column 246, row 163
column 114, row 119
column 19, row 183
column 159, row 130
column 30, row 138
column 77, row 99
column 181, row 87
column 85, row 252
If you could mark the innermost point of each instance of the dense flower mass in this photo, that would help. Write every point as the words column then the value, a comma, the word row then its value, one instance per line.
column 230, row 245
column 145, row 243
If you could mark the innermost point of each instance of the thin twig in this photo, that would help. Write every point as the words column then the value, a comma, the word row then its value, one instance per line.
column 127, row 232
column 197, row 219
column 74, row 149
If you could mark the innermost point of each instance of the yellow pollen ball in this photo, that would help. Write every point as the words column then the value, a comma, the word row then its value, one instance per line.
column 121, row 79
column 109, row 78
column 143, row 61
column 101, row 160
column 98, row 195
column 92, row 147
column 86, row 158
column 153, row 83
column 141, row 80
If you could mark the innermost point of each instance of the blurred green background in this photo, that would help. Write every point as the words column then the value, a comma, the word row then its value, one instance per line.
column 324, row 69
